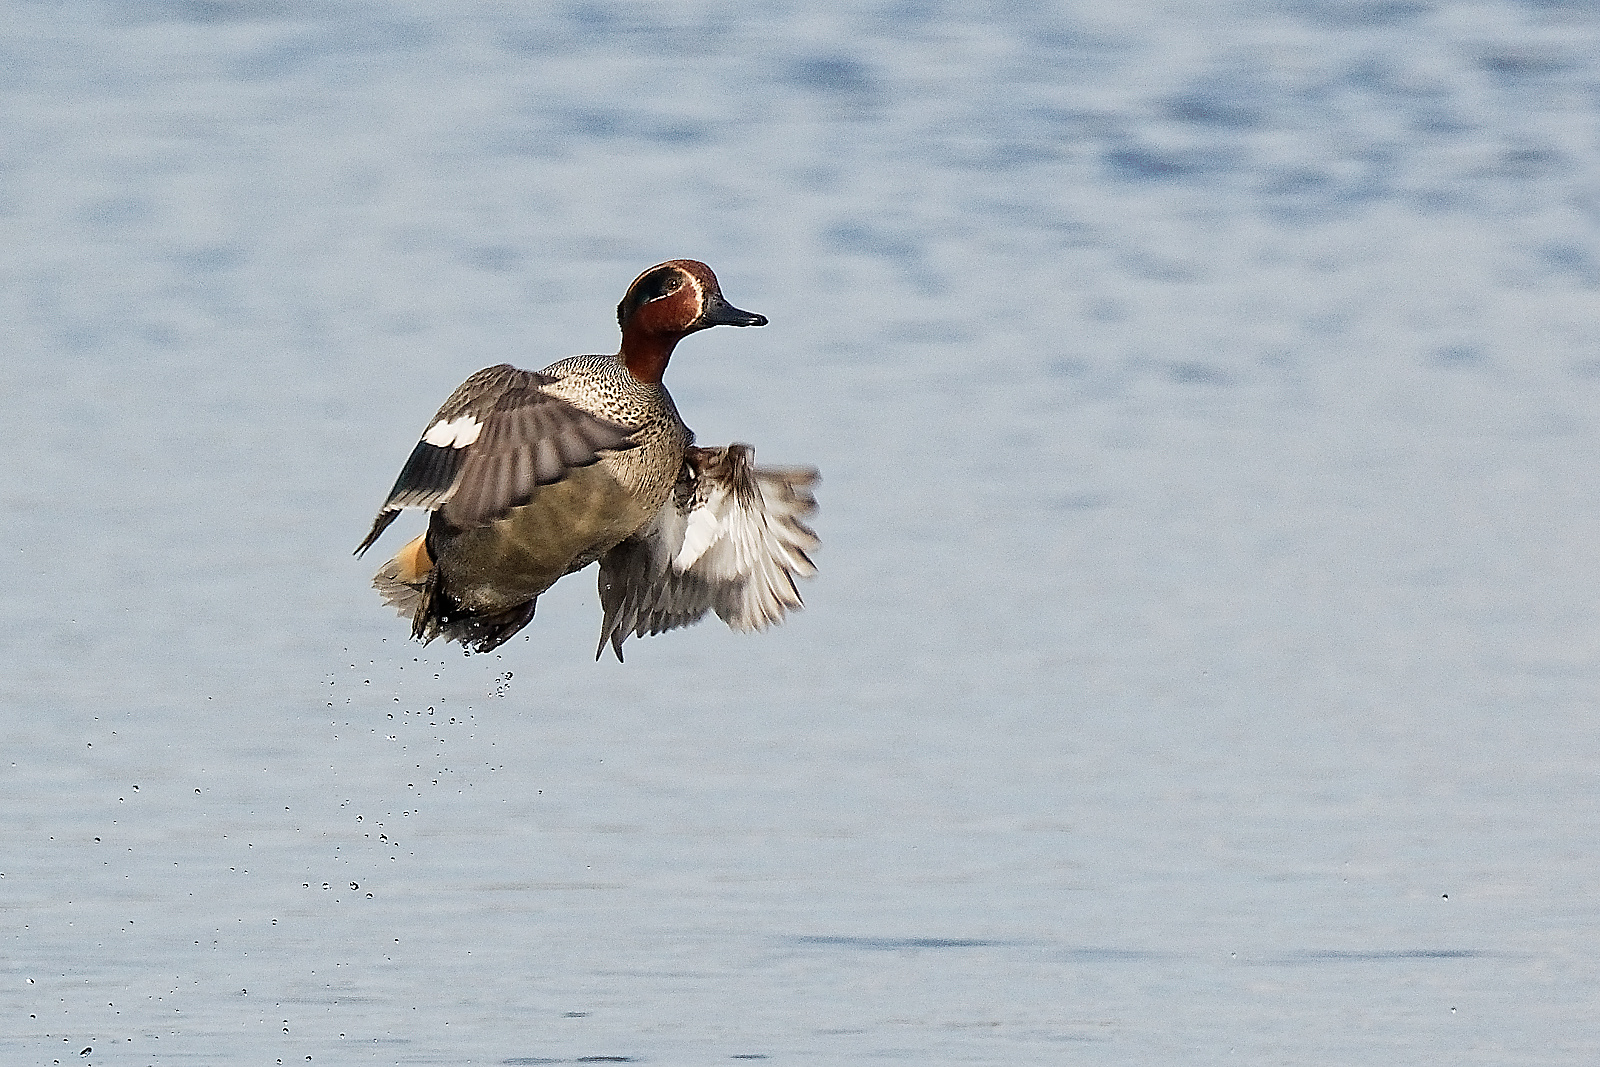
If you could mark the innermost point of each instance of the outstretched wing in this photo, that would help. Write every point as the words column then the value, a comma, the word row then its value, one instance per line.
column 494, row 442
column 732, row 539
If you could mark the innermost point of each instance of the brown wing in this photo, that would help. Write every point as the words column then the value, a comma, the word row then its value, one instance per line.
column 494, row 442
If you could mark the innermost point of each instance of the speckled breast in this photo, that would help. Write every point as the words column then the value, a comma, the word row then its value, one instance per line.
column 577, row 520
column 602, row 386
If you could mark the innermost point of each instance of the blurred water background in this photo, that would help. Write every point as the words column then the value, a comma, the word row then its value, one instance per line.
column 1203, row 664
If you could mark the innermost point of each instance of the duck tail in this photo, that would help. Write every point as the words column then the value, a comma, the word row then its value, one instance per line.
column 405, row 581
column 415, row 588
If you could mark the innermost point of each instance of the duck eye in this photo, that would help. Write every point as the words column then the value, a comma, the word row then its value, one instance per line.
column 671, row 284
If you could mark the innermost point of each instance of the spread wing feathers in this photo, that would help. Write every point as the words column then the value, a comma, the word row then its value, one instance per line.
column 731, row 540
column 493, row 443
column 528, row 440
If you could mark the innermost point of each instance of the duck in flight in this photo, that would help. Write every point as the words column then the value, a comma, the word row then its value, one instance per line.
column 531, row 475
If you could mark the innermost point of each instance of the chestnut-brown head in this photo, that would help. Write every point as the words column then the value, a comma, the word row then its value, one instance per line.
column 667, row 303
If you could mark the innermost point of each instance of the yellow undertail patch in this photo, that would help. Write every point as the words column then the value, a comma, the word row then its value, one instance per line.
column 412, row 563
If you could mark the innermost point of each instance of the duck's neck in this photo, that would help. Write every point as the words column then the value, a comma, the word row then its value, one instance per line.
column 646, row 354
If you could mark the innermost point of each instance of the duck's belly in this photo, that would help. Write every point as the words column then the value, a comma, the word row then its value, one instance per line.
column 567, row 526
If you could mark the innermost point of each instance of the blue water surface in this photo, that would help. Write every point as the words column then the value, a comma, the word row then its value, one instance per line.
column 1203, row 663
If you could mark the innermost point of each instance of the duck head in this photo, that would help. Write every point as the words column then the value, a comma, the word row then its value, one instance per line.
column 664, row 305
